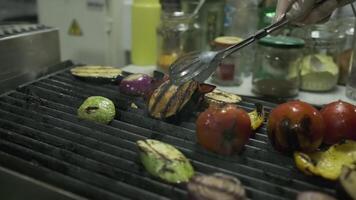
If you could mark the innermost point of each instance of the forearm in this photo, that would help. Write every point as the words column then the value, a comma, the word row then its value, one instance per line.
column 344, row 2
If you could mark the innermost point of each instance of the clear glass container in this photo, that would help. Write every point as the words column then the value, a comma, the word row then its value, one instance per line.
column 346, row 26
column 276, row 73
column 351, row 80
column 229, row 72
column 319, row 67
column 177, row 34
column 211, row 18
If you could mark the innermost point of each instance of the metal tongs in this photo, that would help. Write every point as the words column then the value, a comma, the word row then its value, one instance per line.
column 199, row 66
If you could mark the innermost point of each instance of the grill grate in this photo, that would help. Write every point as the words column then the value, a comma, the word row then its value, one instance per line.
column 41, row 137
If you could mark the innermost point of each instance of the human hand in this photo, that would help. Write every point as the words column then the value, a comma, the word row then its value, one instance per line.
column 302, row 12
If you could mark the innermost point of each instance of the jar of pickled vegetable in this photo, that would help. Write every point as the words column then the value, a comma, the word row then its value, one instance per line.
column 229, row 72
column 276, row 72
column 177, row 34
column 320, row 66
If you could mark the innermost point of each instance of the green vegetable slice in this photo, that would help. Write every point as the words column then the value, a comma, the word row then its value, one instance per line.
column 164, row 161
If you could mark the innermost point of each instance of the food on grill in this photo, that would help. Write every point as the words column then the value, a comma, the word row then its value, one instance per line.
column 215, row 187
column 136, row 84
column 340, row 122
column 257, row 117
column 348, row 182
column 327, row 164
column 97, row 73
column 295, row 125
column 168, row 99
column 223, row 129
column 221, row 97
column 311, row 195
column 164, row 161
column 98, row 109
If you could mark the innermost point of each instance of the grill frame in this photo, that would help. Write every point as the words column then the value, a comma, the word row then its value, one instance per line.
column 41, row 116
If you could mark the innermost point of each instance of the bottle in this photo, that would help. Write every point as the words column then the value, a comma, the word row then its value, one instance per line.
column 240, row 10
column 267, row 12
column 145, row 19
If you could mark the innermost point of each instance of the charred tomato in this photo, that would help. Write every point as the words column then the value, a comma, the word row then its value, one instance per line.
column 223, row 129
column 340, row 122
column 295, row 125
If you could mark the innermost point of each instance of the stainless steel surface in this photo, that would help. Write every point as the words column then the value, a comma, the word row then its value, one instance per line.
column 200, row 65
column 25, row 53
column 15, row 186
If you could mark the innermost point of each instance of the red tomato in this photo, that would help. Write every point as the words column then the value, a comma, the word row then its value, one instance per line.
column 295, row 125
column 340, row 122
column 223, row 130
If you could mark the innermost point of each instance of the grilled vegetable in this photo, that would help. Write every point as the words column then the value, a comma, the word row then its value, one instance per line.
column 168, row 99
column 215, row 187
column 327, row 164
column 98, row 109
column 310, row 195
column 257, row 117
column 348, row 182
column 295, row 125
column 221, row 97
column 223, row 129
column 340, row 118
column 136, row 84
column 164, row 161
column 97, row 73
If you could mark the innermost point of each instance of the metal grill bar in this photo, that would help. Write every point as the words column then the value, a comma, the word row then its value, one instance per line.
column 39, row 128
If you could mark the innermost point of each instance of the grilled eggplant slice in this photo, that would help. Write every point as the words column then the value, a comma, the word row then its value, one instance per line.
column 348, row 182
column 97, row 73
column 327, row 164
column 216, row 187
column 221, row 97
column 168, row 99
column 164, row 161
column 257, row 117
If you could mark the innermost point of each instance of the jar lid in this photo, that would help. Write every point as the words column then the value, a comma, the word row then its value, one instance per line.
column 282, row 42
column 226, row 41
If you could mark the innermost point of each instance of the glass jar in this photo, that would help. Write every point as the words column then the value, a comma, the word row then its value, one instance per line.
column 276, row 72
column 229, row 72
column 319, row 67
column 346, row 27
column 177, row 34
column 351, row 80
column 211, row 18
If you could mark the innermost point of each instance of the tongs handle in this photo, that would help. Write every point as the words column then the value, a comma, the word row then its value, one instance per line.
column 258, row 35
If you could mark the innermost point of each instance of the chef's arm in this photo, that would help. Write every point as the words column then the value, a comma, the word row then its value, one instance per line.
column 303, row 12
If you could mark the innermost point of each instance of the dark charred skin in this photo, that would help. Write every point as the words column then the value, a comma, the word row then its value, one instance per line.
column 91, row 109
column 291, row 132
column 287, row 128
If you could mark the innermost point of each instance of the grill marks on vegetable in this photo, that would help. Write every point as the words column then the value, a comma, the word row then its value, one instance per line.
column 91, row 109
column 165, row 161
column 229, row 137
column 168, row 99
column 215, row 186
column 291, row 131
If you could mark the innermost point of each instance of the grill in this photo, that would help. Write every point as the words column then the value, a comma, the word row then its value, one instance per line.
column 41, row 137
